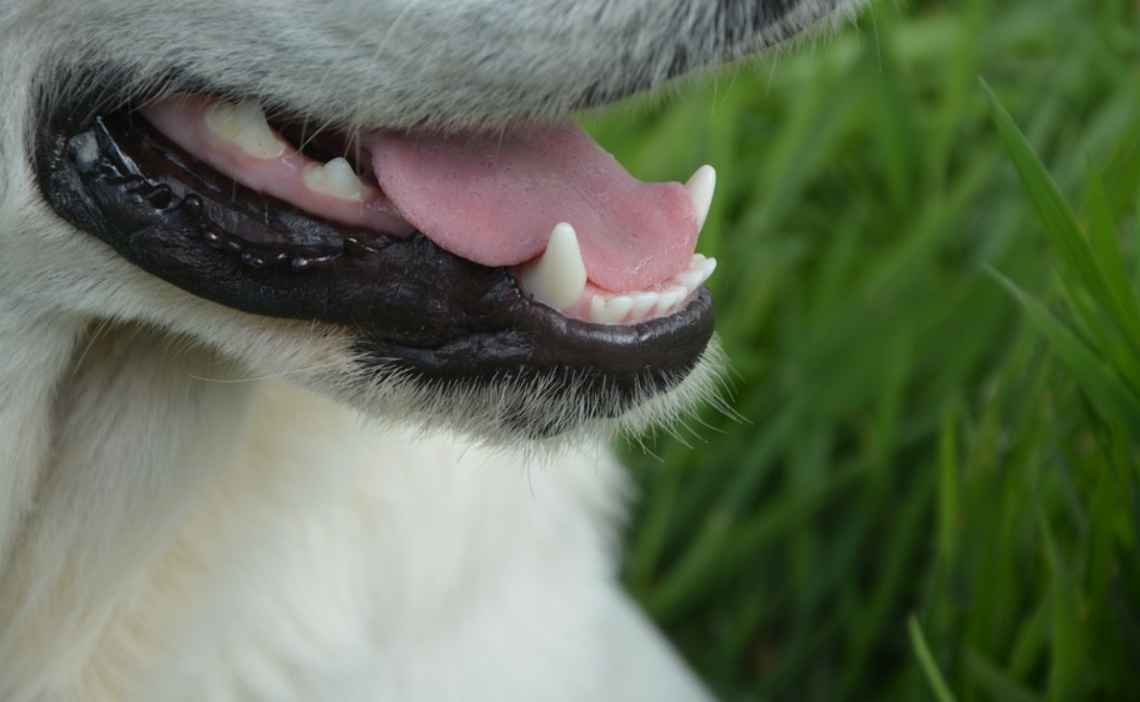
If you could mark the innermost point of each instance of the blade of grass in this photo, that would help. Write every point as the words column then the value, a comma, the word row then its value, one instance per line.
column 926, row 661
column 1098, row 380
column 1056, row 215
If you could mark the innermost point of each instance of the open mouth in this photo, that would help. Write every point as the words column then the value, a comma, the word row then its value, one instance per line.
column 581, row 235
column 521, row 253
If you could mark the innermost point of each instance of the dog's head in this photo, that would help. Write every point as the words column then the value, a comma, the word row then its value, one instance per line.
column 383, row 199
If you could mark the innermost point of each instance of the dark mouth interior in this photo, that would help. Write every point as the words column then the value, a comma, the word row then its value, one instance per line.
column 408, row 302
column 321, row 144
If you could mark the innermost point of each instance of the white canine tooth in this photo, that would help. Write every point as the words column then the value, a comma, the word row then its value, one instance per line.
column 643, row 304
column 558, row 279
column 697, row 262
column 702, row 187
column 335, row 178
column 244, row 125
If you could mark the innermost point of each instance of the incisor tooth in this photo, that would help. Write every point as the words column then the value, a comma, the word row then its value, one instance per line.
column 335, row 178
column 690, row 279
column 702, row 187
column 244, row 125
column 670, row 299
column 618, row 307
column 611, row 310
column 559, row 277
column 598, row 309
column 643, row 304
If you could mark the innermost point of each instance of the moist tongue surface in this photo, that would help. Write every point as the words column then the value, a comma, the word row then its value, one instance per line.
column 494, row 199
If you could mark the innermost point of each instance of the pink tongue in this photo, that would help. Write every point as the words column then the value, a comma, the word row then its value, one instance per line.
column 494, row 199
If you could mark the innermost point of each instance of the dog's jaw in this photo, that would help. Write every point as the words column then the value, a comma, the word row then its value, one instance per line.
column 422, row 320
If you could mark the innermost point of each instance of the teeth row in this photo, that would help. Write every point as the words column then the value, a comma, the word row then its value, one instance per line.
column 244, row 125
column 558, row 278
column 638, row 307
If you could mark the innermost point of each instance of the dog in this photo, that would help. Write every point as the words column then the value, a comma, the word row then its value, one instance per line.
column 315, row 316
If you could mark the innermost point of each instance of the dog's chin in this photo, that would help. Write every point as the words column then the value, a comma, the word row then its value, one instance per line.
column 547, row 410
column 436, row 335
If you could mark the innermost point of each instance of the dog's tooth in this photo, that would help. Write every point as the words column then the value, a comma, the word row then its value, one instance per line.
column 244, row 125
column 558, row 278
column 669, row 299
column 690, row 279
column 702, row 187
column 609, row 310
column 618, row 308
column 335, row 178
column 700, row 269
column 643, row 304
column 709, row 268
column 222, row 119
column 598, row 309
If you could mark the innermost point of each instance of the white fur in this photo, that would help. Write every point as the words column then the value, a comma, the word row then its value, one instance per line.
column 181, row 519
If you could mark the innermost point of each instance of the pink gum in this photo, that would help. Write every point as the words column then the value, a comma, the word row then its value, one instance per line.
column 183, row 121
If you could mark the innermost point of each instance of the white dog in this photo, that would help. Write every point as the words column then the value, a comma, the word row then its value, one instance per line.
column 230, row 231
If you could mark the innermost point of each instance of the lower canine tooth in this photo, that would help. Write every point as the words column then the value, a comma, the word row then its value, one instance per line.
column 702, row 187
column 335, row 178
column 559, row 277
column 244, row 125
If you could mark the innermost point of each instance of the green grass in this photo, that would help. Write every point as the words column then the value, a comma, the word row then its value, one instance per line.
column 936, row 347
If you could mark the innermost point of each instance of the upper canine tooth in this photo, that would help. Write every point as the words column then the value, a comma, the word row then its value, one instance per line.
column 335, row 178
column 558, row 279
column 244, row 124
column 702, row 187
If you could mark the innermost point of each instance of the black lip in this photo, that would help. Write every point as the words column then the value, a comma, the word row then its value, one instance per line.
column 409, row 302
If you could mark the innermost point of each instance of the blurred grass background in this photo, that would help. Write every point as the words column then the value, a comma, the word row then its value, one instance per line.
column 930, row 496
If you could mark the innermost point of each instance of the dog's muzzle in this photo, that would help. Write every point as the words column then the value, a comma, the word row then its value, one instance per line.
column 379, row 256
